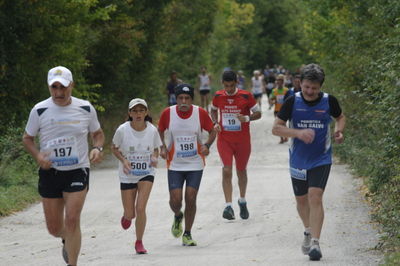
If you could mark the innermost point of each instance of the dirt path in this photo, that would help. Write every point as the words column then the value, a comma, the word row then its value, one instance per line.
column 271, row 236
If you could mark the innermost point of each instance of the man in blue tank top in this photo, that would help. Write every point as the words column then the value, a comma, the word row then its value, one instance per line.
column 310, row 113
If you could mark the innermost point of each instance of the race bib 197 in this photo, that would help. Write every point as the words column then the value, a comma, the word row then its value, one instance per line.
column 64, row 151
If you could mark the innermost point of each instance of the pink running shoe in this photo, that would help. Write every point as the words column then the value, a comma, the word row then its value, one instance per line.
column 139, row 247
column 125, row 223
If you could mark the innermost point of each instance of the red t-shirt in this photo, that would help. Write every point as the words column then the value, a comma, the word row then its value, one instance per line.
column 205, row 120
column 230, row 105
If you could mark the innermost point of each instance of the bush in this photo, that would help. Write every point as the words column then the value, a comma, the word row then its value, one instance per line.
column 18, row 177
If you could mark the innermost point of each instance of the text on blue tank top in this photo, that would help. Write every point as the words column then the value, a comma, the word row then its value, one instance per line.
column 319, row 152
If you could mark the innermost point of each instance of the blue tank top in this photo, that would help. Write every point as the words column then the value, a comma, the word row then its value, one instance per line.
column 318, row 118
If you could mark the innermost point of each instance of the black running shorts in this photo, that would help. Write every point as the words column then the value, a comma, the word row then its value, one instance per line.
column 316, row 177
column 126, row 186
column 52, row 182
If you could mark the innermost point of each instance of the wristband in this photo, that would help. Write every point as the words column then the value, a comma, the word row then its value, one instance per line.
column 207, row 145
column 247, row 118
column 98, row 148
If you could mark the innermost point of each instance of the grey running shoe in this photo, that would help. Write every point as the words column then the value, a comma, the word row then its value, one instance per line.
column 64, row 252
column 244, row 213
column 315, row 251
column 228, row 213
column 305, row 247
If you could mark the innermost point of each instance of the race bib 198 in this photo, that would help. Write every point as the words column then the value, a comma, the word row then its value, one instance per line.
column 64, row 151
column 186, row 146
column 230, row 122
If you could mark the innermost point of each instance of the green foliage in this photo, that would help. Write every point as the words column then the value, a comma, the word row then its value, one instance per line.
column 18, row 180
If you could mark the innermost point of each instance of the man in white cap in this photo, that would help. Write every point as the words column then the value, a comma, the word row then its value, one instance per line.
column 63, row 123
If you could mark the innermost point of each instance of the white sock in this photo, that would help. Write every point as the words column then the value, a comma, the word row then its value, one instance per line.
column 307, row 230
column 228, row 204
column 242, row 200
column 313, row 239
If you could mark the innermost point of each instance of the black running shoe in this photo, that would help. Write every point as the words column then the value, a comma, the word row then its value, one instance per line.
column 315, row 251
column 228, row 213
column 244, row 213
column 64, row 252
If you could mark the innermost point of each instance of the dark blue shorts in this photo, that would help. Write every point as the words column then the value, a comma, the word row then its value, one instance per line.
column 316, row 177
column 177, row 178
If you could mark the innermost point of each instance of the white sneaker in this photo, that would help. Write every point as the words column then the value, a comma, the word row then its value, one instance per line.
column 315, row 251
column 305, row 247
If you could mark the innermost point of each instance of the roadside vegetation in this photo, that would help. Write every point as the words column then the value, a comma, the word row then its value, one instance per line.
column 120, row 49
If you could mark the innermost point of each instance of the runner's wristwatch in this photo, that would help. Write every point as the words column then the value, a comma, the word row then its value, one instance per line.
column 99, row 148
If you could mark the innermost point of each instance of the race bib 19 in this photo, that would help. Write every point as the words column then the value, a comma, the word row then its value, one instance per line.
column 230, row 122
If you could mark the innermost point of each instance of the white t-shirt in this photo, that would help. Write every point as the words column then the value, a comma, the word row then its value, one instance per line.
column 204, row 82
column 63, row 131
column 256, row 85
column 137, row 147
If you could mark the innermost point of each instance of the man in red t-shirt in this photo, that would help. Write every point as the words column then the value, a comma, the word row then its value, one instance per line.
column 185, row 156
column 236, row 109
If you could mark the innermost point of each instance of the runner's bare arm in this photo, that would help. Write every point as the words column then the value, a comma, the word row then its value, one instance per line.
column 40, row 157
column 255, row 114
column 96, row 155
column 339, row 127
column 280, row 129
column 205, row 149
column 163, row 152
column 214, row 118
column 154, row 157
column 124, row 161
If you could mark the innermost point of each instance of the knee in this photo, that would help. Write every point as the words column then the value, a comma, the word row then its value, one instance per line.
column 129, row 215
column 141, row 210
column 315, row 199
column 190, row 200
column 227, row 170
column 175, row 200
column 302, row 201
column 54, row 230
column 71, row 223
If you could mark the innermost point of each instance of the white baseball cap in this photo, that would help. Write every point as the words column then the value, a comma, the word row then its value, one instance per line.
column 60, row 74
column 135, row 102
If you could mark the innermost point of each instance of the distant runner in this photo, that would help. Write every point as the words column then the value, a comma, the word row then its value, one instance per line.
column 204, row 87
